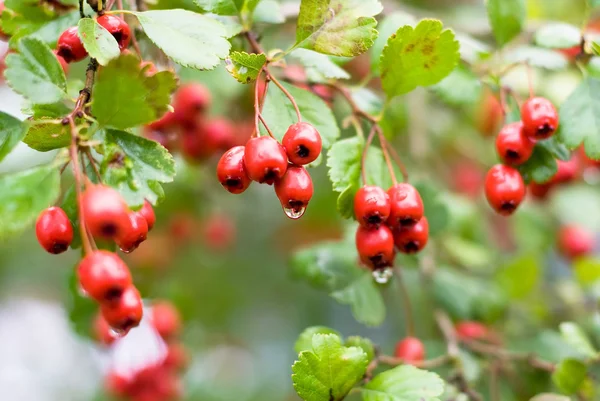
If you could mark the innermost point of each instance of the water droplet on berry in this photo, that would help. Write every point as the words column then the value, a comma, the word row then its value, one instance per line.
column 382, row 276
column 294, row 213
column 117, row 333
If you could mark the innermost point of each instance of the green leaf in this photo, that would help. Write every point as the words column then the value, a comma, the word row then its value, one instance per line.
column 45, row 135
column 470, row 87
column 135, row 166
column 329, row 371
column 304, row 341
column 24, row 195
column 507, row 18
column 99, row 43
column 221, row 7
column 558, row 35
column 587, row 271
column 538, row 57
column 190, row 39
column 404, row 383
column 320, row 64
column 387, row 27
column 81, row 310
column 124, row 96
column 540, row 167
column 467, row 252
column 435, row 210
column 269, row 11
column 245, row 67
column 471, row 49
column 520, row 277
column 580, row 118
column 569, row 376
column 343, row 162
column 420, row 56
column 337, row 27
column 364, row 298
column 555, row 147
column 576, row 337
column 11, row 133
column 345, row 201
column 364, row 343
column 35, row 73
column 550, row 397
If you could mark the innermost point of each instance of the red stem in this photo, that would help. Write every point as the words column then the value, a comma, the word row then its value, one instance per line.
column 386, row 156
column 395, row 155
column 288, row 94
column 363, row 159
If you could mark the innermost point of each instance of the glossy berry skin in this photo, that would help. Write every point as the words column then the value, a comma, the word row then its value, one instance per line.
column 412, row 239
column 540, row 118
column 295, row 189
column 410, row 349
column 190, row 102
column 166, row 319
column 513, row 146
column 231, row 170
column 134, row 234
column 406, row 205
column 118, row 28
column 504, row 189
column 147, row 211
column 70, row 47
column 469, row 330
column 102, row 331
column 126, row 312
column 105, row 212
column 371, row 206
column 103, row 276
column 265, row 160
column 63, row 63
column 302, row 143
column 54, row 230
column 575, row 241
column 375, row 246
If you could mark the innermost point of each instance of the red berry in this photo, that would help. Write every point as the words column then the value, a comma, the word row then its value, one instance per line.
column 265, row 160
column 467, row 178
column 134, row 234
column 302, row 143
column 412, row 239
column 468, row 330
column 504, row 189
column 116, row 384
column 102, row 331
column 148, row 212
column 375, row 246
column 118, row 28
column 567, row 171
column 489, row 114
column 219, row 232
column 219, row 134
column 406, row 205
column 63, row 63
column 410, row 349
column 231, row 170
column 54, row 230
column 126, row 313
column 540, row 118
column 166, row 319
column 575, row 241
column 177, row 357
column 70, row 47
column 190, row 102
column 371, row 206
column 294, row 191
column 513, row 146
column 539, row 191
column 165, row 123
column 104, row 211
column 103, row 275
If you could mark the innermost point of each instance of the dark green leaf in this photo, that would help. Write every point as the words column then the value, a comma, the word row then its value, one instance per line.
column 569, row 376
column 343, row 162
column 435, row 210
column 404, row 383
column 81, row 310
column 45, row 135
column 555, row 147
column 345, row 201
column 99, row 43
column 245, row 67
column 11, row 132
column 304, row 341
column 364, row 298
column 558, row 35
column 540, row 167
column 507, row 18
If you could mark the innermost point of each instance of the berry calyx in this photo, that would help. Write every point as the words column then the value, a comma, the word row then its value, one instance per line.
column 70, row 47
column 231, row 170
column 468, row 330
column 412, row 239
column 148, row 212
column 118, row 28
column 371, row 206
column 406, row 205
column 105, row 213
column 513, row 146
column 190, row 102
column 410, row 349
column 375, row 246
column 575, row 241
column 102, row 331
column 126, row 313
column 302, row 143
column 63, row 63
column 166, row 319
column 103, row 276
column 134, row 234
column 504, row 189
column 294, row 191
column 54, row 230
column 540, row 118
column 265, row 160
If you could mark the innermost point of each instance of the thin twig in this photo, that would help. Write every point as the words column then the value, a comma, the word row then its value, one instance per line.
column 355, row 109
column 386, row 156
column 288, row 94
column 507, row 355
column 88, row 153
column 363, row 158
column 428, row 364
column 406, row 304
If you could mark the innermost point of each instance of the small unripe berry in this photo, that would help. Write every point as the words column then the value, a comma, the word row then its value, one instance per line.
column 375, row 246
column 302, row 143
column 118, row 28
column 410, row 349
column 70, row 47
column 126, row 312
column 513, row 146
column 406, row 205
column 540, row 118
column 371, row 206
column 412, row 239
column 294, row 191
column 468, row 330
column 231, row 170
column 103, row 275
column 504, row 189
column 265, row 160
column 105, row 213
column 575, row 241
column 54, row 230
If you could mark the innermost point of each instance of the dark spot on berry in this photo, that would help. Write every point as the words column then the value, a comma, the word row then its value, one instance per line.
column 233, row 183
column 374, row 220
column 270, row 176
column 411, row 247
column 379, row 261
column 118, row 36
column 66, row 53
column 545, row 129
column 109, row 230
column 113, row 294
column 407, row 222
column 508, row 207
column 302, row 151
column 512, row 155
column 296, row 205
column 127, row 324
column 59, row 247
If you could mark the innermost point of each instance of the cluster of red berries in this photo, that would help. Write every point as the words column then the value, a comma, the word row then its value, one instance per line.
column 102, row 275
column 158, row 381
column 266, row 161
column 504, row 186
column 388, row 221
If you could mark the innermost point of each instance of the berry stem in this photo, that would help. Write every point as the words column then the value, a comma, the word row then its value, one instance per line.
column 406, row 304
column 530, row 79
column 288, row 94
column 395, row 155
column 257, row 106
column 81, row 12
column 386, row 156
column 90, row 157
column 363, row 159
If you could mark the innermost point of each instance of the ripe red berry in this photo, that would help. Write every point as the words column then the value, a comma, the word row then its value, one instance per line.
column 371, row 206
column 54, row 230
column 513, row 146
column 116, row 385
column 567, row 170
column 177, row 357
column 70, row 47
column 105, row 213
column 148, row 212
column 468, row 330
column 539, row 191
column 412, row 239
column 375, row 246
column 294, row 191
column 231, row 170
column 134, row 234
column 504, row 189
column 575, row 241
column 265, row 160
column 63, row 63
column 103, row 275
column 410, row 349
column 406, row 205
column 190, row 102
column 540, row 118
column 102, row 331
column 302, row 143
column 219, row 232
column 126, row 313
column 118, row 28
column 165, row 123
column 166, row 319
column 219, row 135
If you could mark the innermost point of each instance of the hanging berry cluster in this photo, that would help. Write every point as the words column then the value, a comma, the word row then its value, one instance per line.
column 504, row 185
